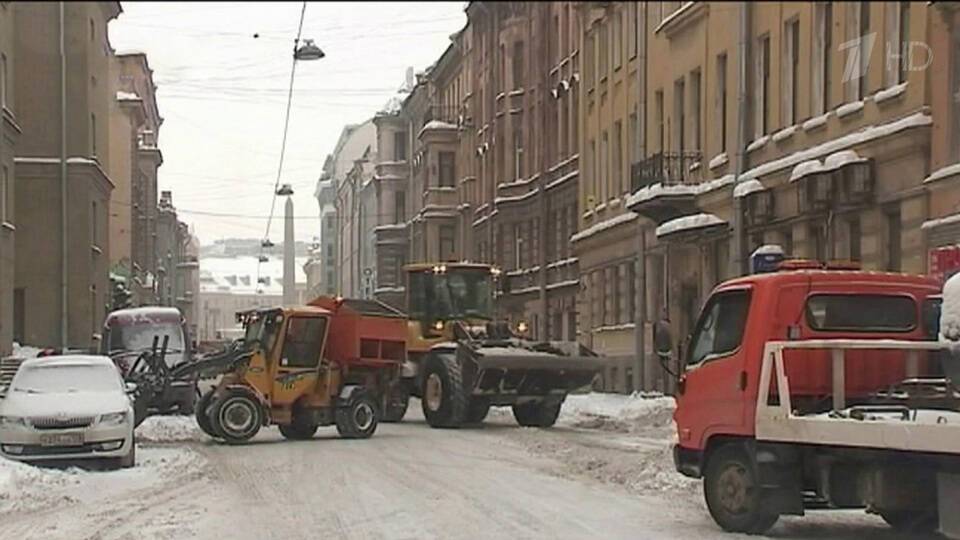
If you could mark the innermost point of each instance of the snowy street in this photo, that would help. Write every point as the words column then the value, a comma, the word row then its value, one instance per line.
column 605, row 471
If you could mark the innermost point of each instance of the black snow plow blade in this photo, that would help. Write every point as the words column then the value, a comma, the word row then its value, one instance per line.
column 504, row 372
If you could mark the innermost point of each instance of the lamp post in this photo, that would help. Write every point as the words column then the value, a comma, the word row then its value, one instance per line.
column 289, row 283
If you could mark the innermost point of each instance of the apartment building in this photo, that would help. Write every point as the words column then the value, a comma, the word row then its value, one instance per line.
column 613, row 53
column 38, row 273
column 9, row 133
column 826, row 157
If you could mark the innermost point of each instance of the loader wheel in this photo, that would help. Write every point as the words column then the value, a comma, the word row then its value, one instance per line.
column 358, row 418
column 537, row 413
column 444, row 402
column 202, row 411
column 301, row 427
column 733, row 494
column 396, row 403
column 236, row 417
column 477, row 411
column 912, row 521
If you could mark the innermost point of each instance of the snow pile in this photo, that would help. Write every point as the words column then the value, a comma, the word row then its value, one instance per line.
column 719, row 160
column 844, row 157
column 937, row 222
column 24, row 351
column 618, row 412
column 890, row 93
column 768, row 249
column 784, row 134
column 816, row 121
column 687, row 223
column 24, row 487
column 747, row 187
column 950, row 312
column 940, row 174
column 167, row 429
column 758, row 143
column 849, row 108
column 625, row 217
column 806, row 168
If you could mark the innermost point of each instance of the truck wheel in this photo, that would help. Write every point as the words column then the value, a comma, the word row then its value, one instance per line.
column 444, row 399
column 358, row 418
column 236, row 417
column 202, row 413
column 912, row 521
column 301, row 426
column 477, row 411
column 396, row 403
column 732, row 492
column 537, row 413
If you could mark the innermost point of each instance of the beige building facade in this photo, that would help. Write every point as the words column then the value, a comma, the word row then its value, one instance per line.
column 9, row 133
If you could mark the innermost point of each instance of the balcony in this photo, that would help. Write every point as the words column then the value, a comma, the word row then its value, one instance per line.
column 665, row 185
column 392, row 170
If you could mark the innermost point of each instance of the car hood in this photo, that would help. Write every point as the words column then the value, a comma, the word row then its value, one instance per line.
column 63, row 403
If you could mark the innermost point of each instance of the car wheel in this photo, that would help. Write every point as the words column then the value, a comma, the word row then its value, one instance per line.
column 732, row 492
column 237, row 416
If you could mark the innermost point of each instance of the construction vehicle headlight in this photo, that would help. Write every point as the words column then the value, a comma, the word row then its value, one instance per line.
column 522, row 327
column 114, row 419
column 12, row 421
column 438, row 325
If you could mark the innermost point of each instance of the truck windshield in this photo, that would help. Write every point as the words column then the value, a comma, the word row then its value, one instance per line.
column 720, row 328
column 452, row 295
column 262, row 328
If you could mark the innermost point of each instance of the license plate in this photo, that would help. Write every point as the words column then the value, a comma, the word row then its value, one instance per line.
column 62, row 439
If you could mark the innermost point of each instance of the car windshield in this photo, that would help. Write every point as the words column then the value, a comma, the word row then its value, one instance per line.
column 60, row 378
column 140, row 336
column 452, row 295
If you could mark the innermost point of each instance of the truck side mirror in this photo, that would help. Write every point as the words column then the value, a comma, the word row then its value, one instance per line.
column 662, row 339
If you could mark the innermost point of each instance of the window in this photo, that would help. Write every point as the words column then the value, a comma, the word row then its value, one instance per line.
column 695, row 110
column 633, row 20
column 518, row 153
column 93, row 30
column 955, row 91
column 893, row 239
column 592, row 167
column 448, row 165
column 817, row 242
column 589, row 59
column 632, row 139
column 447, row 234
column 823, row 41
column 518, row 66
column 619, row 179
column 658, row 99
column 6, row 196
column 679, row 115
column 3, row 80
column 719, row 331
column 617, row 39
column 304, row 342
column 762, row 91
column 854, row 238
column 721, row 105
column 93, row 224
column 605, row 166
column 503, row 68
column 787, row 241
column 604, row 54
column 400, row 146
column 791, row 72
column 898, row 60
column 864, row 53
column 93, row 135
column 861, row 312
column 399, row 207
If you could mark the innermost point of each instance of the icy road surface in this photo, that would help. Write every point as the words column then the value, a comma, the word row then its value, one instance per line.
column 605, row 472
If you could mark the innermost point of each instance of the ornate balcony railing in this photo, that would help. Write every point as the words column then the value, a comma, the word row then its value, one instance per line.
column 667, row 168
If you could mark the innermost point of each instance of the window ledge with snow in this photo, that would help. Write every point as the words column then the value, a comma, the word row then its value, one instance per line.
column 784, row 134
column 848, row 109
column 8, row 226
column 747, row 187
column 944, row 172
column 613, row 203
column 719, row 160
column 758, row 143
column 689, row 223
column 816, row 122
column 892, row 92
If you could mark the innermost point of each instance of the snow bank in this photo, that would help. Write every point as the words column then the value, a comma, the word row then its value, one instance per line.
column 25, row 351
column 167, row 429
column 686, row 223
column 25, row 487
column 618, row 412
column 950, row 312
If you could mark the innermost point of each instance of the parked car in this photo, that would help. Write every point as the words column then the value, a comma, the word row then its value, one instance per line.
column 127, row 333
column 68, row 408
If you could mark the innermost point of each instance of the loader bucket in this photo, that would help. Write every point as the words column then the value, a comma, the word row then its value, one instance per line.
column 504, row 373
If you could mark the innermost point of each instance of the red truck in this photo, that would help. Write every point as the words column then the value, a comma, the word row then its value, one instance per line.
column 815, row 387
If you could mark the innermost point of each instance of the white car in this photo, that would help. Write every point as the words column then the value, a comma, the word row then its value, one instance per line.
column 68, row 408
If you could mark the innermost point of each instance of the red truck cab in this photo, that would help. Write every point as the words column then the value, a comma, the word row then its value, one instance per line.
column 719, row 376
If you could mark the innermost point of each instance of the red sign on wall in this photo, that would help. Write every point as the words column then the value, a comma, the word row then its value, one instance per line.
column 944, row 262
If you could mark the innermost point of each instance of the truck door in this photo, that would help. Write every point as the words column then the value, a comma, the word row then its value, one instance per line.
column 713, row 395
column 299, row 360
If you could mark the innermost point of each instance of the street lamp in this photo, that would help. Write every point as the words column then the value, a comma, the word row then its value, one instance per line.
column 307, row 51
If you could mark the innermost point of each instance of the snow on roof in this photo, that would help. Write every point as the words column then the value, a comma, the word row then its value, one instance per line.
column 950, row 311
column 768, row 249
column 437, row 124
column 816, row 121
column 890, row 93
column 849, row 108
column 688, row 223
column 746, row 187
column 658, row 189
column 863, row 135
column 943, row 172
column 946, row 220
column 844, row 157
column 128, row 96
column 596, row 228
column 718, row 160
column 238, row 275
column 806, row 168
column 758, row 143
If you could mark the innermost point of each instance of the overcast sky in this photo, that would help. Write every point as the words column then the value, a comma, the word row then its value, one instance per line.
column 222, row 95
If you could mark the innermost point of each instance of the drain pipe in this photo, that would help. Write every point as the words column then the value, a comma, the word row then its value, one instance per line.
column 64, row 311
column 640, row 375
column 736, row 253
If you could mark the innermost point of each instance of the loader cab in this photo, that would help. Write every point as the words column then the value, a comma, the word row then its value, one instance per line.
column 446, row 292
